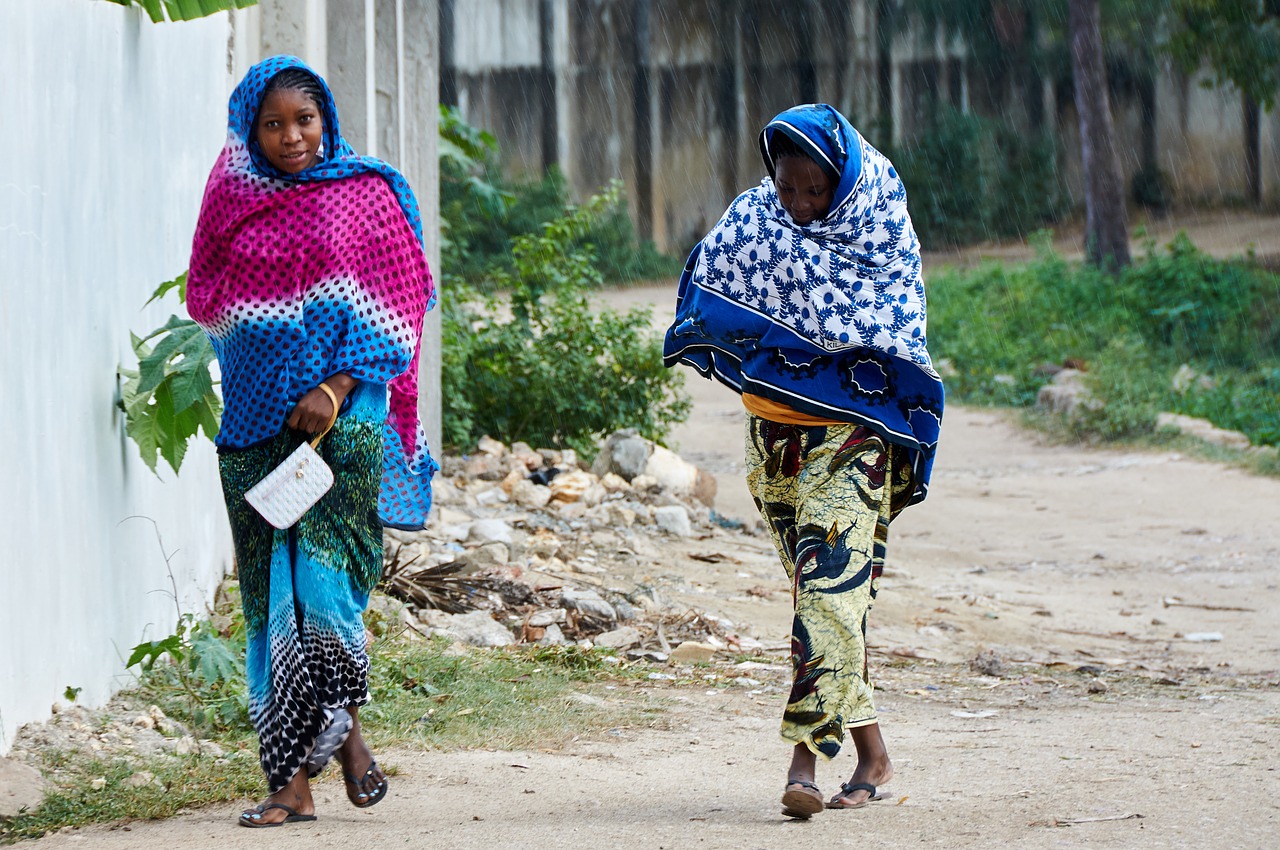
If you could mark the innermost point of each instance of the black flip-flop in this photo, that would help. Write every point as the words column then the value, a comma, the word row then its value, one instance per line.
column 247, row 818
column 848, row 788
column 379, row 792
column 798, row 804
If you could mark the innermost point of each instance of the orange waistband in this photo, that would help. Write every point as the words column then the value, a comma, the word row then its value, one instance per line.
column 778, row 412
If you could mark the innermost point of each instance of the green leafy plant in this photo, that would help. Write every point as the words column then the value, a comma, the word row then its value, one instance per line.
column 170, row 398
column 556, row 372
column 200, row 665
column 184, row 10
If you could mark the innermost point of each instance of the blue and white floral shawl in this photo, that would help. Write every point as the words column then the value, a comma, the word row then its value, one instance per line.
column 827, row 318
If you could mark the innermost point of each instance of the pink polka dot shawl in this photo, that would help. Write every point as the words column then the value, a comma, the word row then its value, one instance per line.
column 296, row 278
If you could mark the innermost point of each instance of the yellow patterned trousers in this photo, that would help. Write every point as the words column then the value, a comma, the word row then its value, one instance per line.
column 827, row 495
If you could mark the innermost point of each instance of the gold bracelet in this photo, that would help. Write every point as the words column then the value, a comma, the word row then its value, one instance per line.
column 333, row 397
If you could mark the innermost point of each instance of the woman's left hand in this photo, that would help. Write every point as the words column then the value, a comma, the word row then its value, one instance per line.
column 314, row 410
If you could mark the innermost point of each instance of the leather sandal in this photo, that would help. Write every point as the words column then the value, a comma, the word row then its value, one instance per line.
column 801, row 803
column 848, row 788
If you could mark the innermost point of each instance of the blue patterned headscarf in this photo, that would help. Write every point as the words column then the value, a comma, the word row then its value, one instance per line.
column 340, row 159
column 826, row 317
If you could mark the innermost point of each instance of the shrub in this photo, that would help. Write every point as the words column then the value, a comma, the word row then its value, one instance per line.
column 544, row 367
column 970, row 178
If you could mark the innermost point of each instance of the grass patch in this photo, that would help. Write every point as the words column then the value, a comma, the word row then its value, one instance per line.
column 86, row 790
column 425, row 695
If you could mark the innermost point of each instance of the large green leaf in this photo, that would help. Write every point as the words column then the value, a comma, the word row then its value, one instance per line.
column 170, row 397
column 184, row 10
column 179, row 283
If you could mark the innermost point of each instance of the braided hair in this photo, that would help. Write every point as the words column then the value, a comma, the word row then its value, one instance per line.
column 296, row 79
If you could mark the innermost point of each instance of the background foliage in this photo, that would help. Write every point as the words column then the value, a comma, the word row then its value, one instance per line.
column 484, row 214
column 998, row 326
column 970, row 179
column 543, row 365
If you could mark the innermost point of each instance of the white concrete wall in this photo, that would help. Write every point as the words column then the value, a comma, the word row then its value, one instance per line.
column 111, row 125
column 493, row 35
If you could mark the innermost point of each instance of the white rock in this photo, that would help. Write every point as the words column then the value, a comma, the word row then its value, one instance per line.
column 673, row 519
column 495, row 553
column 1066, row 395
column 645, row 483
column 571, row 486
column 622, row 638
column 594, row 495
column 587, row 602
column 624, row 453
column 552, row 636
column 1201, row 429
column 546, row 617
column 489, row 531
column 1186, row 378
column 478, row 628
column 614, row 483
column 672, row 472
column 142, row 777
column 21, row 786
column 490, row 446
column 530, row 496
column 572, row 510
column 489, row 498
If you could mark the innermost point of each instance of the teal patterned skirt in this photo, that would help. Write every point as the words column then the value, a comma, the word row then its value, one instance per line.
column 305, row 588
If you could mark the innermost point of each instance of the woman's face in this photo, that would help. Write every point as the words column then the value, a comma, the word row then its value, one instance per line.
column 289, row 130
column 804, row 190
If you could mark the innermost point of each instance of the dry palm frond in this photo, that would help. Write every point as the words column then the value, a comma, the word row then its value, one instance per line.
column 440, row 587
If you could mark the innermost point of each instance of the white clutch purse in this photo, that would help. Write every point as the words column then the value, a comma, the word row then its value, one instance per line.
column 295, row 485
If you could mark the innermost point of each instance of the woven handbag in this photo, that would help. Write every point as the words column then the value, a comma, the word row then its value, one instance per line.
column 289, row 490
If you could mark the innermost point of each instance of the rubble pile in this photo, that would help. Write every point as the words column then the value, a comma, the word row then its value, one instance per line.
column 531, row 546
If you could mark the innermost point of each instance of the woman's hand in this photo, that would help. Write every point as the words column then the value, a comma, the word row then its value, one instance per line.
column 314, row 410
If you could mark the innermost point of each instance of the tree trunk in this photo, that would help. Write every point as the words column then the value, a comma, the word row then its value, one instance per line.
column 1252, row 151
column 1106, row 231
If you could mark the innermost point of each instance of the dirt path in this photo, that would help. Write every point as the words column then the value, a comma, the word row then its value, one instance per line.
column 1094, row 576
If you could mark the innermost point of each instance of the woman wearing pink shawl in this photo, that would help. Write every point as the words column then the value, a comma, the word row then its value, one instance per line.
column 308, row 275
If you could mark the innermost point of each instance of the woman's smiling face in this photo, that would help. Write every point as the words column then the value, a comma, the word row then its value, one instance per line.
column 804, row 190
column 289, row 130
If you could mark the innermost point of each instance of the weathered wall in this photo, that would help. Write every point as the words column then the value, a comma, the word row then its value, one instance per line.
column 98, row 201
column 111, row 138
column 668, row 95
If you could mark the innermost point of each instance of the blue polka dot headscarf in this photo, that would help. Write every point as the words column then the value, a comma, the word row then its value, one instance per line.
column 298, row 277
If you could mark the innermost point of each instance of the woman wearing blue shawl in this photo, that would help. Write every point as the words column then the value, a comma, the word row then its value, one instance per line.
column 806, row 298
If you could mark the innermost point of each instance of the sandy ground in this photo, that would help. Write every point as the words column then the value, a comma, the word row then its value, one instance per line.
column 1092, row 574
